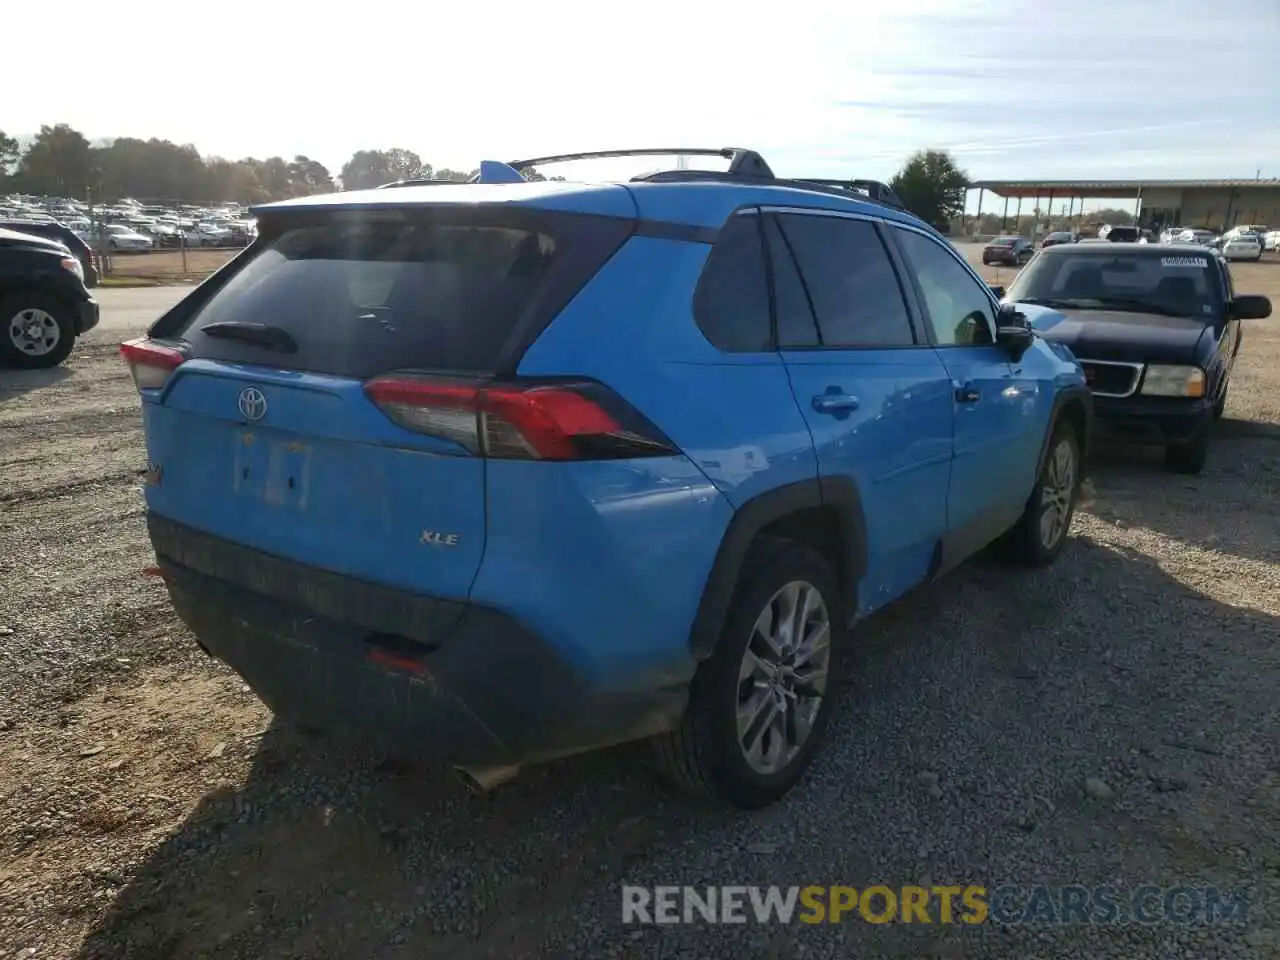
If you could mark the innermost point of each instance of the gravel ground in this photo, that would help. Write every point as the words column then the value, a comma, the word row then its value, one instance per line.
column 150, row 806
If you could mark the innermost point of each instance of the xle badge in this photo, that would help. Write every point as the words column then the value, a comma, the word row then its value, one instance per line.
column 439, row 539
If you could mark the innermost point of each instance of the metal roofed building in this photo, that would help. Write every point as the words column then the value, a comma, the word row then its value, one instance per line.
column 1218, row 204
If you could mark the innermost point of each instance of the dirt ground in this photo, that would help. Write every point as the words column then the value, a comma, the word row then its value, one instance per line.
column 151, row 807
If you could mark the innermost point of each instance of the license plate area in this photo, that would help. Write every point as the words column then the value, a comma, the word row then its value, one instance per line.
column 271, row 468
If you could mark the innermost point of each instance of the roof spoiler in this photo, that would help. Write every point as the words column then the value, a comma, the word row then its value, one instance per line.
column 491, row 171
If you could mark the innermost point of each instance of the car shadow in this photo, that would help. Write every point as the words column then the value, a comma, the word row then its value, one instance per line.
column 14, row 382
column 1025, row 688
column 1228, row 508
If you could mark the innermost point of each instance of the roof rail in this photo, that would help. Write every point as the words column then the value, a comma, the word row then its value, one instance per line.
column 870, row 190
column 877, row 191
column 742, row 162
column 412, row 182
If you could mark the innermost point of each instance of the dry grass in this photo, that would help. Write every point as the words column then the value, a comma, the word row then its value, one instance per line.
column 170, row 264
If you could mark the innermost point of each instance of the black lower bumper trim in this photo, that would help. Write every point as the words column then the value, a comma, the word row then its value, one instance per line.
column 489, row 692
column 1141, row 422
column 87, row 314
column 336, row 596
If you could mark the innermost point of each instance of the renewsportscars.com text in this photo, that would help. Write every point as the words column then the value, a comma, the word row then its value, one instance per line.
column 969, row 904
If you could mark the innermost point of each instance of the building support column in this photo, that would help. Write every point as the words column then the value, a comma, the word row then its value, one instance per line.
column 1004, row 217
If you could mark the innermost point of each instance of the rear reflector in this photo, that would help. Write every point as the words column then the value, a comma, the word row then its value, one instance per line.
column 525, row 421
column 387, row 659
column 150, row 363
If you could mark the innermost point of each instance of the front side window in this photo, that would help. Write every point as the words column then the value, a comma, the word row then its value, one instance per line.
column 959, row 307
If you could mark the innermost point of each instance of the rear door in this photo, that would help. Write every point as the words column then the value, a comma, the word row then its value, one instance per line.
column 876, row 397
column 266, row 434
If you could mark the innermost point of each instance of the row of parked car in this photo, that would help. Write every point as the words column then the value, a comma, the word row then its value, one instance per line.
column 1239, row 243
column 130, row 226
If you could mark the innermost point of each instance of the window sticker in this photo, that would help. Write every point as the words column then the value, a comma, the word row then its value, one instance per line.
column 1183, row 262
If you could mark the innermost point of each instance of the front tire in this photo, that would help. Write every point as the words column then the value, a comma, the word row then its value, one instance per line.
column 1040, row 534
column 36, row 331
column 1189, row 458
column 1220, row 407
column 760, row 705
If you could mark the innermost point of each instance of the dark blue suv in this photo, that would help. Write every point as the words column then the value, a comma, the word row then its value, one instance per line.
column 502, row 471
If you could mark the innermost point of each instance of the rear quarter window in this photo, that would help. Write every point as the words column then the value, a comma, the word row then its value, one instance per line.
column 440, row 290
column 731, row 303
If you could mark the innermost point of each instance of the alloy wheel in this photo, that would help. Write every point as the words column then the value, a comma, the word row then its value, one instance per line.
column 783, row 677
column 1057, row 492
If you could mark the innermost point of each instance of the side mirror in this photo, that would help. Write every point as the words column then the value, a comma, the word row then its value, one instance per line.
column 1013, row 332
column 997, row 290
column 1251, row 307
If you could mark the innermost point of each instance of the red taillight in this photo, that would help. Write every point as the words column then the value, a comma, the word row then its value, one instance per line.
column 579, row 421
column 150, row 363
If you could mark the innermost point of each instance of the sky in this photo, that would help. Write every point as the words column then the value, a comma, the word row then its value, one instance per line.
column 1017, row 90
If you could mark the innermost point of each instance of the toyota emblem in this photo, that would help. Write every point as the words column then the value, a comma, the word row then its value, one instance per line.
column 253, row 405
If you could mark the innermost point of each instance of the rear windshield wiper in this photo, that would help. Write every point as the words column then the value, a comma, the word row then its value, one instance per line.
column 259, row 334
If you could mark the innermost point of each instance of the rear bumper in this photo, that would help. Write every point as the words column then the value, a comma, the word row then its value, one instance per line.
column 86, row 315
column 413, row 677
column 1150, row 420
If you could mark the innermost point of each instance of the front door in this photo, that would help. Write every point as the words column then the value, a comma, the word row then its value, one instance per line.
column 876, row 397
column 996, row 424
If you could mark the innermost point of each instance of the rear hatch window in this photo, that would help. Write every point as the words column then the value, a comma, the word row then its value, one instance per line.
column 355, row 295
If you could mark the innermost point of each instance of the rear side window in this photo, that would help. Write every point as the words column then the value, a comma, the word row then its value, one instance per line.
column 731, row 304
column 442, row 291
column 850, row 281
column 796, row 324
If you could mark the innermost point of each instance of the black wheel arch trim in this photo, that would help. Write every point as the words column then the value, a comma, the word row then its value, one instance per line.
column 1075, row 394
column 839, row 493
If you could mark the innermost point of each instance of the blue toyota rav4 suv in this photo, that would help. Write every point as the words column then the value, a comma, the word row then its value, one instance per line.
column 503, row 471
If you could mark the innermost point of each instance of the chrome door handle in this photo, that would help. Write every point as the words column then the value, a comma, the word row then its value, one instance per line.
column 833, row 402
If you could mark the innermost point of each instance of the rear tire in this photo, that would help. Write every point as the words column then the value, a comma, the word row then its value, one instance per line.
column 762, row 693
column 36, row 331
column 1040, row 534
column 1189, row 458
